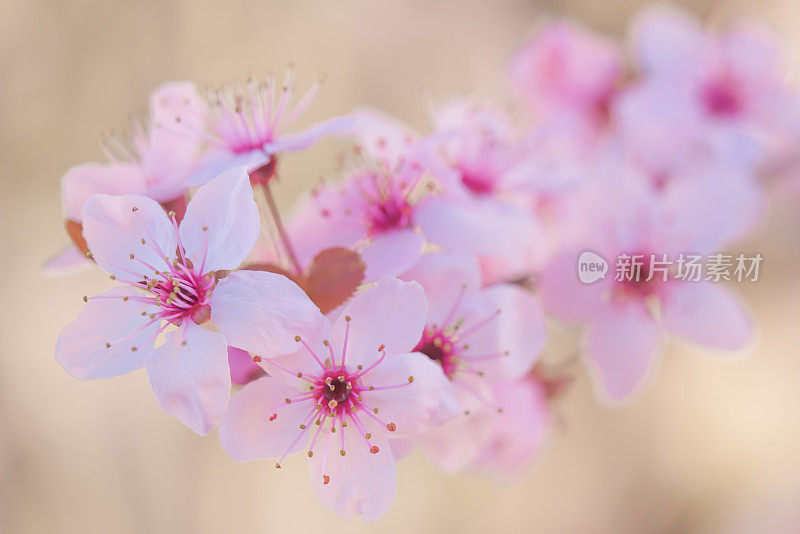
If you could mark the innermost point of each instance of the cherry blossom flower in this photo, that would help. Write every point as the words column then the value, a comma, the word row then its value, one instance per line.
column 372, row 211
column 479, row 338
column 343, row 395
column 723, row 93
column 626, row 317
column 480, row 207
column 568, row 75
column 246, row 126
column 175, row 275
column 154, row 162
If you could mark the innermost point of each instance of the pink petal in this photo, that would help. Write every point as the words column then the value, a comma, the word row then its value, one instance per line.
column 216, row 161
column 246, row 432
column 622, row 344
column 706, row 313
column 114, row 228
column 176, row 118
column 426, row 402
column 82, row 181
column 190, row 377
column 243, row 368
column 360, row 483
column 454, row 445
column 515, row 436
column 342, row 125
column 444, row 277
column 81, row 346
column 392, row 314
column 391, row 253
column 262, row 312
column 67, row 260
column 667, row 40
column 323, row 220
column 479, row 226
column 564, row 295
column 221, row 225
column 382, row 136
column 519, row 329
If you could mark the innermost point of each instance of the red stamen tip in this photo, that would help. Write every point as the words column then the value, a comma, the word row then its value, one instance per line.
column 374, row 449
column 325, row 479
column 391, row 427
column 256, row 359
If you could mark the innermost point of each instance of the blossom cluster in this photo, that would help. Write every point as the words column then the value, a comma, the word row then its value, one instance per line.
column 404, row 304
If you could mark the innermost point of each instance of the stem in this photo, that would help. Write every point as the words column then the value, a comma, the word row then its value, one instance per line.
column 273, row 208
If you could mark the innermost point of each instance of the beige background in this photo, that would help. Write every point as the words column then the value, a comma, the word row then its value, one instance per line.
column 707, row 440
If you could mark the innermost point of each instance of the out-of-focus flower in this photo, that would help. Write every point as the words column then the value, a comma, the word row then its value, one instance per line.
column 176, row 275
column 343, row 395
column 155, row 162
column 724, row 94
column 479, row 337
column 568, row 76
column 627, row 313
column 246, row 126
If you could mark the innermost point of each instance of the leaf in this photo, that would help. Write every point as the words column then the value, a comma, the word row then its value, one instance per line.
column 333, row 277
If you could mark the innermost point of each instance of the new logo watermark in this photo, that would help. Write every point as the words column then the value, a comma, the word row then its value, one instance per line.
column 591, row 267
column 685, row 267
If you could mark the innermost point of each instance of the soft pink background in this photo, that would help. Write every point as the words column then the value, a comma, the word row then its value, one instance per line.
column 703, row 444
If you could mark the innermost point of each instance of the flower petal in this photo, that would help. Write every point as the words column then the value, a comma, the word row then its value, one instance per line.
column 476, row 226
column 445, row 277
column 360, row 483
column 425, row 399
column 114, row 228
column 564, row 295
column 81, row 347
column 68, row 260
column 519, row 329
column 262, row 312
column 392, row 313
column 246, row 432
column 215, row 162
column 515, row 436
column 342, row 125
column 190, row 377
column 221, row 224
column 622, row 344
column 391, row 253
column 243, row 368
column 707, row 314
column 82, row 181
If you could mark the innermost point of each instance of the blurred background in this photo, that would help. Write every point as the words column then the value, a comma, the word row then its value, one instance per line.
column 711, row 447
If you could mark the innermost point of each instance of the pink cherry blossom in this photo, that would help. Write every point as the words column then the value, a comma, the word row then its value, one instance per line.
column 176, row 275
column 722, row 92
column 154, row 162
column 479, row 337
column 372, row 210
column 566, row 73
column 343, row 395
column 246, row 126
column 625, row 319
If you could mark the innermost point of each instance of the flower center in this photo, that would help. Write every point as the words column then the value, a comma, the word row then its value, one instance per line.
column 182, row 292
column 640, row 278
column 479, row 184
column 388, row 213
column 441, row 348
column 722, row 97
column 335, row 390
